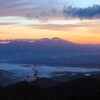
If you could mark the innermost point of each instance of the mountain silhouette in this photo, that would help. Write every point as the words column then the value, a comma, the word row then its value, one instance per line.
column 48, row 50
column 78, row 89
column 86, row 85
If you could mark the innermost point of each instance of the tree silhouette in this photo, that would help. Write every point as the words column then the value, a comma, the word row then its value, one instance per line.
column 39, row 94
column 35, row 75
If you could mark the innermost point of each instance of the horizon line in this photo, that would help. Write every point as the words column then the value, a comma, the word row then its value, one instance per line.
column 4, row 41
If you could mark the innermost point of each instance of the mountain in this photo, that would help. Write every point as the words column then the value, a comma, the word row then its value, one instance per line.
column 38, row 48
column 78, row 89
column 19, row 91
column 8, row 78
column 86, row 85
column 67, row 76
column 48, row 50
column 47, row 82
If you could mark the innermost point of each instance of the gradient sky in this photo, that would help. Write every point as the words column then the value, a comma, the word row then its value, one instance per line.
column 74, row 20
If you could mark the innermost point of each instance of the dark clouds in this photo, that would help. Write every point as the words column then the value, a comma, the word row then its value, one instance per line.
column 92, row 12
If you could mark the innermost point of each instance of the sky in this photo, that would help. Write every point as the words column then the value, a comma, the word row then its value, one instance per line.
column 74, row 20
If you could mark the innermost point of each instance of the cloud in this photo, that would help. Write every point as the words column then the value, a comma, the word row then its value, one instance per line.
column 88, row 27
column 92, row 12
column 31, row 9
column 14, row 7
column 45, row 13
column 6, row 23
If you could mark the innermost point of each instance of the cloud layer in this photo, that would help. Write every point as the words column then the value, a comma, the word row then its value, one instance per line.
column 48, row 9
column 92, row 12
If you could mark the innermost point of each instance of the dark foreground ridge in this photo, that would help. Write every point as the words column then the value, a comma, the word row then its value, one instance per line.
column 79, row 89
column 1, row 86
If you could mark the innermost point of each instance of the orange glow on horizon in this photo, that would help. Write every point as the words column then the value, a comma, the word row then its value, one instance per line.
column 77, row 35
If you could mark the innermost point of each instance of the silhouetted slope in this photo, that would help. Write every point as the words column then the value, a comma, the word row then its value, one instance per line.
column 22, row 91
column 79, row 89
column 80, row 86
column 1, row 86
column 47, row 82
column 19, row 91
column 7, row 78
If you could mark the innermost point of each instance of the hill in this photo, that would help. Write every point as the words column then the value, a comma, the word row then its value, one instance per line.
column 7, row 78
column 47, row 82
column 1, row 86
column 78, row 86
column 53, row 51
column 19, row 91
column 79, row 89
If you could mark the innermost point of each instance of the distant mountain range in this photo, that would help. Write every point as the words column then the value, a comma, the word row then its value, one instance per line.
column 52, row 49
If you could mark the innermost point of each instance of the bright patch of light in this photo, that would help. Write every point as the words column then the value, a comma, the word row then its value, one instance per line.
column 63, row 22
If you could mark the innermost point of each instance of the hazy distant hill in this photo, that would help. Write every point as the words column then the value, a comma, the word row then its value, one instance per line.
column 48, row 50
column 7, row 78
column 54, row 45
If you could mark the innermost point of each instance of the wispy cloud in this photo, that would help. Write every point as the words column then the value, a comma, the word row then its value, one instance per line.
column 14, row 7
column 79, row 25
column 1, row 23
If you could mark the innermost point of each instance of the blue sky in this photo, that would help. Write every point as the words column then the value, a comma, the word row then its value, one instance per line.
column 63, row 2
column 79, row 3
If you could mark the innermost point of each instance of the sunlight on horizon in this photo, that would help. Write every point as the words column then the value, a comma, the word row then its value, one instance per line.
column 79, row 23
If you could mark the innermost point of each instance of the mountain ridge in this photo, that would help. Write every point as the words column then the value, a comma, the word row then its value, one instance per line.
column 6, row 41
column 34, row 40
column 46, row 50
